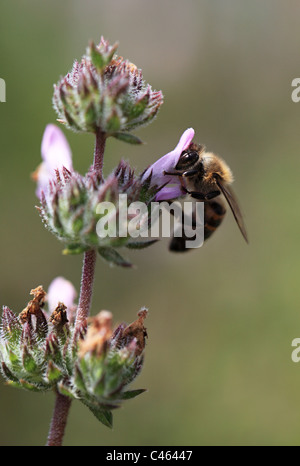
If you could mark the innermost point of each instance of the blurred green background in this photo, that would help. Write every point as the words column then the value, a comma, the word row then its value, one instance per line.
column 221, row 319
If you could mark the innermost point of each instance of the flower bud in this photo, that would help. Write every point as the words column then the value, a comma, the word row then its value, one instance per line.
column 103, row 92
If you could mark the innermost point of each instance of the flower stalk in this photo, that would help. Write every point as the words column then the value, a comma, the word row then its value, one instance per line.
column 62, row 403
column 86, row 290
column 99, row 152
column 59, row 420
column 89, row 260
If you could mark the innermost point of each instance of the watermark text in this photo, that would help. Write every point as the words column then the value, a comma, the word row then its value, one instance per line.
column 2, row 90
column 158, row 219
column 296, row 92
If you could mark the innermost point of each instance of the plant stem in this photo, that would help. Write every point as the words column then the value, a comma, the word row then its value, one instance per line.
column 62, row 403
column 86, row 290
column 89, row 260
column 59, row 420
column 99, row 151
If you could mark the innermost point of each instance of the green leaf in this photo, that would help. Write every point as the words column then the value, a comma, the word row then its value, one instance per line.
column 102, row 415
column 77, row 225
column 96, row 56
column 140, row 244
column 29, row 363
column 127, row 137
column 113, row 124
column 53, row 372
column 29, row 386
column 90, row 116
column 101, row 59
column 71, row 122
column 139, row 107
column 14, row 359
column 110, row 54
column 8, row 374
column 112, row 256
column 132, row 394
column 79, row 380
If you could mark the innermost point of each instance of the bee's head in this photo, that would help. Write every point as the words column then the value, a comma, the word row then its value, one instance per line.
column 190, row 157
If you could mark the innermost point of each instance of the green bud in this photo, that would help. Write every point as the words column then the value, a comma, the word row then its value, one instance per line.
column 77, row 207
column 103, row 92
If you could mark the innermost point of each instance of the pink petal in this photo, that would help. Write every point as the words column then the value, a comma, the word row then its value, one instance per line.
column 55, row 149
column 61, row 290
column 169, row 161
column 185, row 140
column 56, row 154
column 167, row 193
column 41, row 176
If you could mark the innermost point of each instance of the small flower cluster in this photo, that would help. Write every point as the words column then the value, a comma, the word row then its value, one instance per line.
column 69, row 200
column 69, row 209
column 108, row 361
column 34, row 346
column 105, row 93
column 41, row 350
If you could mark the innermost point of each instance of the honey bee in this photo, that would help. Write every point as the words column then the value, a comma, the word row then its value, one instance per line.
column 205, row 176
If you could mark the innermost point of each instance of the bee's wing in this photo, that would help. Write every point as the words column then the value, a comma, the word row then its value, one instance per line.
column 232, row 201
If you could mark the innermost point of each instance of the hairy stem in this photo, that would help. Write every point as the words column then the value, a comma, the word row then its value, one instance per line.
column 89, row 261
column 59, row 420
column 86, row 290
column 99, row 151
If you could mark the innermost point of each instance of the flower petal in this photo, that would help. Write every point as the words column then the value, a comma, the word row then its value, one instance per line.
column 169, row 161
column 55, row 149
column 167, row 193
column 185, row 140
column 56, row 154
column 63, row 291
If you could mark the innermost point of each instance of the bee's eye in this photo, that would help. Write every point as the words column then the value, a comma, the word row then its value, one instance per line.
column 187, row 159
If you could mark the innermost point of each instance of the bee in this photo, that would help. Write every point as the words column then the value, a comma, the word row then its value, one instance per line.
column 205, row 176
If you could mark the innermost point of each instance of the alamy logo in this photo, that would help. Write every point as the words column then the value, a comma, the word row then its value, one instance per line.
column 138, row 220
column 2, row 90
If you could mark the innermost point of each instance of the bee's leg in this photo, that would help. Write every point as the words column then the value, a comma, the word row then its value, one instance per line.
column 195, row 195
column 172, row 174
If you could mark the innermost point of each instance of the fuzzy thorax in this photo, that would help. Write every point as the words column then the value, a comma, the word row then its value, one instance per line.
column 215, row 165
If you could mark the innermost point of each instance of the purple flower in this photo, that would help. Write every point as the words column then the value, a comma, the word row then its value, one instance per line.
column 63, row 291
column 56, row 154
column 167, row 163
